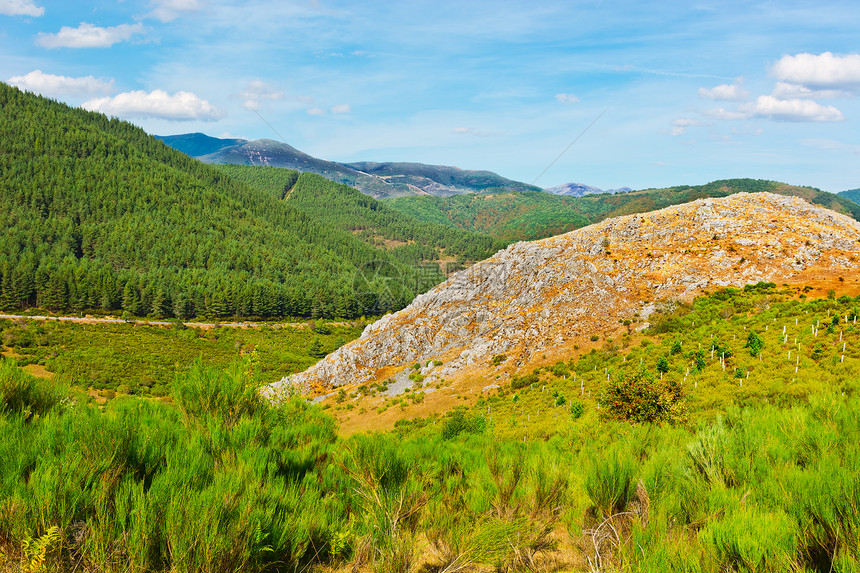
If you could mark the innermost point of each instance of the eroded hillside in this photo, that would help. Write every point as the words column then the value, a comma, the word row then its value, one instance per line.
column 533, row 301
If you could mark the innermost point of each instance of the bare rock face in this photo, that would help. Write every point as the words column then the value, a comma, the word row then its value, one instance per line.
column 534, row 297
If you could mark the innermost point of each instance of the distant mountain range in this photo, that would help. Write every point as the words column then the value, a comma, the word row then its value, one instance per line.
column 581, row 190
column 379, row 180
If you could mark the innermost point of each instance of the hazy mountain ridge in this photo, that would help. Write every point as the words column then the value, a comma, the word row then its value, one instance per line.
column 379, row 180
column 580, row 190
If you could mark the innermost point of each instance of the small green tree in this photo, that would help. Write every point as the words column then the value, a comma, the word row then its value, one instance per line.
column 699, row 358
column 755, row 343
column 662, row 365
column 316, row 349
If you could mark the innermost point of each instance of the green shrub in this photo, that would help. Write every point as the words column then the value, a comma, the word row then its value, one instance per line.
column 460, row 423
column 22, row 393
column 518, row 382
column 225, row 396
column 753, row 540
column 640, row 397
column 755, row 343
column 610, row 482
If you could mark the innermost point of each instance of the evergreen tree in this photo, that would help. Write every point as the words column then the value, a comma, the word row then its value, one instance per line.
column 131, row 299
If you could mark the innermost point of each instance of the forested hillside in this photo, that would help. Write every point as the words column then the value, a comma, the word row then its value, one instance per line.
column 372, row 221
column 529, row 216
column 851, row 195
column 99, row 215
column 507, row 216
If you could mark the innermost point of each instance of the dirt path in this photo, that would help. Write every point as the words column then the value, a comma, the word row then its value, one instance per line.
column 94, row 320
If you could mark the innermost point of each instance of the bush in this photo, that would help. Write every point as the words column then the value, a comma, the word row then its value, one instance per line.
column 224, row 396
column 460, row 423
column 755, row 343
column 641, row 398
column 22, row 393
column 751, row 540
column 610, row 483
column 518, row 382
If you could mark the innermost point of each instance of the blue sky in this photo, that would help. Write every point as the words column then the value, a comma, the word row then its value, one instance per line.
column 682, row 92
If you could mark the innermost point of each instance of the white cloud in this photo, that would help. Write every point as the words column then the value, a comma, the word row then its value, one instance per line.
column 680, row 125
column 342, row 108
column 20, row 8
column 473, row 131
column 821, row 71
column 182, row 106
column 89, row 36
column 722, row 113
column 315, row 111
column 169, row 10
column 724, row 92
column 258, row 91
column 787, row 90
column 791, row 110
column 566, row 98
column 54, row 86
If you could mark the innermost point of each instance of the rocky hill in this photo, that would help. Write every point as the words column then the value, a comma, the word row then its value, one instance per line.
column 533, row 301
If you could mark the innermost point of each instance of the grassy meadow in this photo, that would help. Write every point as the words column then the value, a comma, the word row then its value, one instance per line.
column 128, row 358
column 658, row 455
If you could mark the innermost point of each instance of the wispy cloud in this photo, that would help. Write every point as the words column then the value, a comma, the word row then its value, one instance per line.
column 340, row 109
column 680, row 125
column 723, row 113
column 566, row 98
column 724, row 92
column 54, row 86
column 169, row 10
column 258, row 91
column 20, row 8
column 473, row 131
column 315, row 111
column 831, row 145
column 89, row 36
column 789, row 90
column 158, row 104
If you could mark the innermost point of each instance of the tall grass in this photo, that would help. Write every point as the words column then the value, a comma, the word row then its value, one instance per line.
column 221, row 480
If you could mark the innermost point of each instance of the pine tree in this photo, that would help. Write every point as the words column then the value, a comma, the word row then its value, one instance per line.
column 131, row 299
column 316, row 349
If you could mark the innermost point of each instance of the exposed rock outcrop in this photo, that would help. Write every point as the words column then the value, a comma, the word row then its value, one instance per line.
column 534, row 297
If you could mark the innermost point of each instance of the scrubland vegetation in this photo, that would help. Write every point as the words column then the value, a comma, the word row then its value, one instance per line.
column 141, row 359
column 579, row 468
